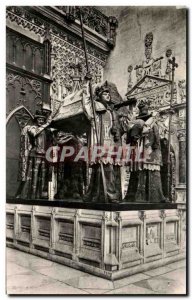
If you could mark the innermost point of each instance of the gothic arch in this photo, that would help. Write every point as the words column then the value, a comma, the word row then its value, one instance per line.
column 23, row 109
column 16, row 121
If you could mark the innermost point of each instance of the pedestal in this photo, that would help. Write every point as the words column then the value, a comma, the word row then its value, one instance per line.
column 112, row 242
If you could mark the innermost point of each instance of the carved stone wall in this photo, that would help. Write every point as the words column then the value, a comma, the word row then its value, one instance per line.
column 66, row 48
column 168, row 26
column 68, row 65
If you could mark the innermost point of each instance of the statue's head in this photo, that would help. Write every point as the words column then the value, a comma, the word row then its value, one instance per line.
column 143, row 108
column 39, row 117
column 107, row 92
column 103, row 93
column 148, row 53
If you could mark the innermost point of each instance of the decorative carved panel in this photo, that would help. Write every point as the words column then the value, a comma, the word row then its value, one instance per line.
column 24, row 52
column 66, row 232
column 153, row 239
column 25, row 223
column 91, row 237
column 145, row 79
column 65, row 58
column 23, row 17
column 130, row 242
column 171, row 236
column 66, row 47
column 43, row 228
column 92, row 17
column 23, row 90
column 10, row 221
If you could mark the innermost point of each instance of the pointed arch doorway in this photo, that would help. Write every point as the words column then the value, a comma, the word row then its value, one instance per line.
column 16, row 121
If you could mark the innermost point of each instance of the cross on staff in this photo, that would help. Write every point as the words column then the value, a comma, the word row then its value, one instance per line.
column 174, row 65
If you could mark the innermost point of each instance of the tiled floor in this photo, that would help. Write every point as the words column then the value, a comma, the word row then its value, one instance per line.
column 28, row 274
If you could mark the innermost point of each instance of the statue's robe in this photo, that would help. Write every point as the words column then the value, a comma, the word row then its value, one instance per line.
column 110, row 130
column 71, row 176
column 145, row 162
column 34, row 171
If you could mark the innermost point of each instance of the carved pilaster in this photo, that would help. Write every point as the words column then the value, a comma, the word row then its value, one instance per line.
column 33, row 227
column 16, row 225
column 119, row 239
column 162, row 215
column 180, row 214
column 105, row 218
column 111, row 226
column 142, row 216
column 182, row 157
column 47, row 55
column 76, row 236
column 53, row 230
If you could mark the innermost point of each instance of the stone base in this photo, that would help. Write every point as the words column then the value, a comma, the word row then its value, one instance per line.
column 109, row 244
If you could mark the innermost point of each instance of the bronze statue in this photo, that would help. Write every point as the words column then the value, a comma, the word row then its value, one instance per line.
column 71, row 176
column 145, row 159
column 111, row 124
column 34, row 142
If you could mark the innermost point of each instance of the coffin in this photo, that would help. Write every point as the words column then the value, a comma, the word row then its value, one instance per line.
column 71, row 115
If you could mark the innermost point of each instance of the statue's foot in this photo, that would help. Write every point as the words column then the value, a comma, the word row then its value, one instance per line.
column 95, row 199
column 76, row 196
column 115, row 201
column 165, row 200
column 86, row 198
column 44, row 195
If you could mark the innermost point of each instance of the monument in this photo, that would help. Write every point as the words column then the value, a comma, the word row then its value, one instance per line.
column 72, row 205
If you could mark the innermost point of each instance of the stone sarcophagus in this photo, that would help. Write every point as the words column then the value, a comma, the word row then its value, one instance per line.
column 110, row 244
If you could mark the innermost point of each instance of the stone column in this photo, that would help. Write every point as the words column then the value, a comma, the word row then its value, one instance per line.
column 182, row 157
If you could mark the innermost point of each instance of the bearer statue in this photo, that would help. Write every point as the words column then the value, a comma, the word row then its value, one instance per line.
column 145, row 159
column 35, row 139
column 111, row 123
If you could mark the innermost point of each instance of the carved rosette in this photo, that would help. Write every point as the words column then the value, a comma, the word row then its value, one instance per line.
column 105, row 216
column 118, row 217
column 162, row 214
column 142, row 215
column 77, row 213
column 180, row 213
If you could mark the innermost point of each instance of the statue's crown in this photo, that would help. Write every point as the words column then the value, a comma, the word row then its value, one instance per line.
column 40, row 114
